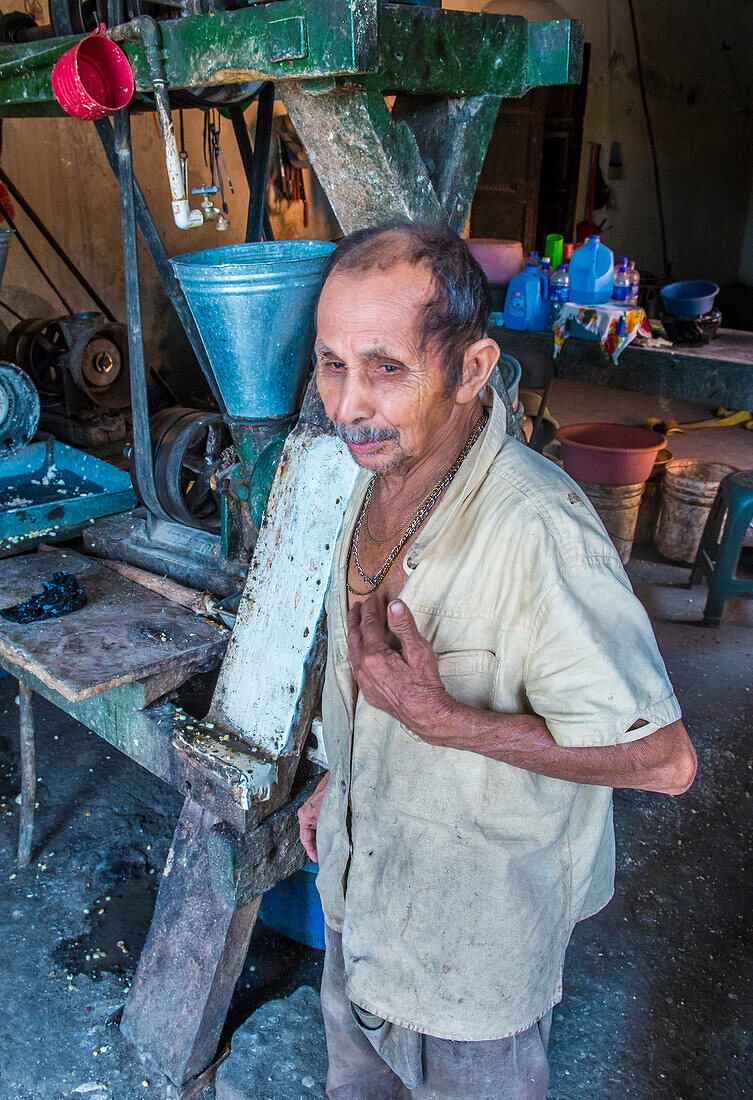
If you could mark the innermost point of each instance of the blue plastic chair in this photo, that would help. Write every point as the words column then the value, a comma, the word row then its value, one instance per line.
column 721, row 543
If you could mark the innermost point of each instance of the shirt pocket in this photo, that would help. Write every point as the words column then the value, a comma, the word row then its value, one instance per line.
column 470, row 676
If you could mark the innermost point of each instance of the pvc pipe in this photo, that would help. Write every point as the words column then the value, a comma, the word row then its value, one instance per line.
column 148, row 30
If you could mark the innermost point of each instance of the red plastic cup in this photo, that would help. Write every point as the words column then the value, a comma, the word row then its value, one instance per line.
column 94, row 78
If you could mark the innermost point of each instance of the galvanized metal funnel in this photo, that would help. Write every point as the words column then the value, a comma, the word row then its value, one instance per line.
column 254, row 307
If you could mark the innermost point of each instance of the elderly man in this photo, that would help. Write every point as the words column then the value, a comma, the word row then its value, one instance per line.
column 490, row 677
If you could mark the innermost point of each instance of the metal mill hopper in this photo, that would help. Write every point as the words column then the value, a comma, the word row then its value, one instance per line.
column 254, row 307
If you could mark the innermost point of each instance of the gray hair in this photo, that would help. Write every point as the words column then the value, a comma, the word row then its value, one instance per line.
column 457, row 313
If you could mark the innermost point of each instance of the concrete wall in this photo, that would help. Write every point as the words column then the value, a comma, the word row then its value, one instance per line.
column 699, row 82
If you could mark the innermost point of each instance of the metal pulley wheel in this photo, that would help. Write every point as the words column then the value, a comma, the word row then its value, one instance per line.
column 19, row 409
column 188, row 448
column 36, row 346
column 82, row 346
column 101, row 362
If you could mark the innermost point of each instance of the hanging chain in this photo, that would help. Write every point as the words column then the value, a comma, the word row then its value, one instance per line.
column 420, row 515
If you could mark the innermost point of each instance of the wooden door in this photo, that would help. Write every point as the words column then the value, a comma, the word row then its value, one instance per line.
column 506, row 201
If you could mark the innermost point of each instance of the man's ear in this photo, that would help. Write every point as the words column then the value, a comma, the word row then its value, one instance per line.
column 478, row 363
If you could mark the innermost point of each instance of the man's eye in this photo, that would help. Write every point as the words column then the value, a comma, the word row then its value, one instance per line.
column 389, row 368
column 334, row 364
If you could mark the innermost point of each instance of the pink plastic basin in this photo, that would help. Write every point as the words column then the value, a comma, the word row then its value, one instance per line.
column 609, row 454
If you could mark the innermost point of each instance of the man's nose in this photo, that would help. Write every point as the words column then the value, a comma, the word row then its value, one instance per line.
column 354, row 403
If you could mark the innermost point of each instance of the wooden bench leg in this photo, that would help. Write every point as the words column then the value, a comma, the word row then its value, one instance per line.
column 193, row 955
column 28, row 774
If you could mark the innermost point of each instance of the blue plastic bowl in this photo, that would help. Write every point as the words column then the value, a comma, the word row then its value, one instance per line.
column 691, row 298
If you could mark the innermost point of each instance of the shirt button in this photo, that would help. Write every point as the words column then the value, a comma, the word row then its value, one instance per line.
column 343, row 786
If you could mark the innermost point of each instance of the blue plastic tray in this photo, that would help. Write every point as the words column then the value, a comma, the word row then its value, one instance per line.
column 50, row 490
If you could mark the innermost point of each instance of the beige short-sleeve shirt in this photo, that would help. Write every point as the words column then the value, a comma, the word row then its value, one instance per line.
column 456, row 880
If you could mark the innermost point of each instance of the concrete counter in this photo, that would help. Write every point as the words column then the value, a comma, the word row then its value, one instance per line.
column 719, row 373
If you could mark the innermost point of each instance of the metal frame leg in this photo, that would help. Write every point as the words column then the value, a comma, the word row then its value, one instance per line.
column 245, row 148
column 28, row 773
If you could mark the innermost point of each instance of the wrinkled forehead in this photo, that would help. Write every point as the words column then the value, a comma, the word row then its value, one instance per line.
column 389, row 303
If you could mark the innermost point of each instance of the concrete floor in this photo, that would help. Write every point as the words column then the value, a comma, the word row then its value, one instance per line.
column 657, row 987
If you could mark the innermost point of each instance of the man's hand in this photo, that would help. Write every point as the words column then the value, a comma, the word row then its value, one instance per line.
column 406, row 684
column 308, row 819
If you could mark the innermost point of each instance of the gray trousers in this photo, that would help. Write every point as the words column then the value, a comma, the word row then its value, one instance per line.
column 371, row 1059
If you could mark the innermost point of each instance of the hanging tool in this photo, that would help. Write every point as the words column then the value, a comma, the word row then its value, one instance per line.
column 215, row 161
column 722, row 418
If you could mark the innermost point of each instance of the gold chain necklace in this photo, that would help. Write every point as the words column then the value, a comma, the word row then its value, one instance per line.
column 422, row 512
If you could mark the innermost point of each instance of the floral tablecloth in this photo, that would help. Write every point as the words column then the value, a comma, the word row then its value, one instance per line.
column 613, row 325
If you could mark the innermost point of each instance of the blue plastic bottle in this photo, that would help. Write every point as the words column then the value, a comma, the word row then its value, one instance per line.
column 591, row 273
column 559, row 285
column 526, row 305
column 622, row 283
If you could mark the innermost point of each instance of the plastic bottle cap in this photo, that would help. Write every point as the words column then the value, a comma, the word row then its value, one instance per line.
column 545, row 260
column 562, row 267
column 595, row 237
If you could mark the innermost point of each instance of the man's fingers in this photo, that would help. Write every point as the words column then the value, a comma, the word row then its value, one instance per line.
column 403, row 626
column 308, row 840
column 373, row 625
column 307, row 830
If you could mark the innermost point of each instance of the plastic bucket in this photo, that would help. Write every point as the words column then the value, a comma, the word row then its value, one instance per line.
column 293, row 908
column 510, row 372
column 688, row 491
column 94, row 78
column 648, row 516
column 617, row 506
column 609, row 454
column 254, row 307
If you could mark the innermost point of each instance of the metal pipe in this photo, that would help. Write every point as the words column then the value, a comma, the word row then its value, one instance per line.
column 148, row 30
column 160, row 259
column 143, row 463
column 57, row 249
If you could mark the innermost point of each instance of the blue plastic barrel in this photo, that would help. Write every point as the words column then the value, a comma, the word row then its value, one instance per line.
column 254, row 307
column 293, row 908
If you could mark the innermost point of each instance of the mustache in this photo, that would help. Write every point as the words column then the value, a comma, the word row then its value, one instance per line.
column 365, row 433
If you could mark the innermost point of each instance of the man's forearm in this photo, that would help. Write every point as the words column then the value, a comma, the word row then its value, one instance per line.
column 663, row 761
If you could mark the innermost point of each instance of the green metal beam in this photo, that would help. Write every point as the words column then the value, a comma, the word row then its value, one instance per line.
column 383, row 47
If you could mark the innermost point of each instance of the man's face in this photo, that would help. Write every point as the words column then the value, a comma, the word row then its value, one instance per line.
column 383, row 392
